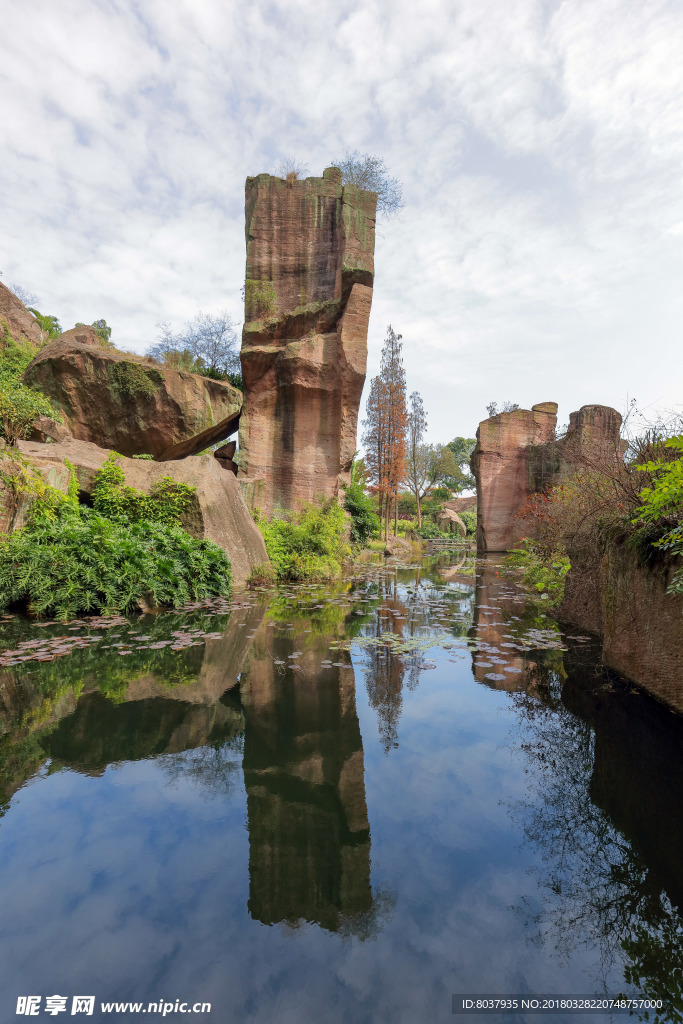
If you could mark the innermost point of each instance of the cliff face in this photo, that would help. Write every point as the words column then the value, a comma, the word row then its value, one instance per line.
column 500, row 466
column 308, row 290
column 21, row 325
column 517, row 455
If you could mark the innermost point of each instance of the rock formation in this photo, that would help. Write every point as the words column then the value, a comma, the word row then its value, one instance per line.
column 219, row 513
column 462, row 504
column 120, row 401
column 517, row 455
column 450, row 522
column 308, row 291
column 613, row 592
column 21, row 325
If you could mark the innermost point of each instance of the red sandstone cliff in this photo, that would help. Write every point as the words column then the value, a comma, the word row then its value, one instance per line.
column 309, row 274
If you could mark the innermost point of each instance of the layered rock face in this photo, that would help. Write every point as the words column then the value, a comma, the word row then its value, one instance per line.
column 309, row 274
column 517, row 455
column 219, row 512
column 21, row 325
column 117, row 401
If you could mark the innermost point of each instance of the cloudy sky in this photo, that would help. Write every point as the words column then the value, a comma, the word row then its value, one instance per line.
column 539, row 143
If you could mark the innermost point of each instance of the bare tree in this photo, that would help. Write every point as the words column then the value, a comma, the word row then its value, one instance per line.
column 370, row 173
column 207, row 344
column 291, row 169
column 417, row 460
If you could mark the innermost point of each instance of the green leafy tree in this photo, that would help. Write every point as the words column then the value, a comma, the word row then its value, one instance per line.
column 49, row 325
column 462, row 448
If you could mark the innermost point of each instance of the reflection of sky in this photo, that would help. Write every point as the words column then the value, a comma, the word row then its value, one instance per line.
column 127, row 887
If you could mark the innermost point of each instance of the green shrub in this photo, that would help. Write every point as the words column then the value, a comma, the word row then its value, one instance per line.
column 364, row 519
column 430, row 531
column 19, row 404
column 19, row 407
column 165, row 503
column 469, row 518
column 260, row 300
column 262, row 575
column 308, row 545
column 82, row 562
column 544, row 571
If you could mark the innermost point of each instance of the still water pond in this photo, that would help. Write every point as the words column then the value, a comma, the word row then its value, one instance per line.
column 334, row 804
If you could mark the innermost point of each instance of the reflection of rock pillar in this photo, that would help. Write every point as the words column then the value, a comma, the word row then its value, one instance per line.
column 309, row 841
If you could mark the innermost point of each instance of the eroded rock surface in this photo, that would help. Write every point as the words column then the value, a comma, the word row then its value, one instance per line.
column 21, row 325
column 219, row 513
column 517, row 455
column 309, row 274
column 119, row 401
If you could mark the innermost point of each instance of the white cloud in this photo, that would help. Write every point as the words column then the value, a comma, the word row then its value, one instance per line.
column 539, row 145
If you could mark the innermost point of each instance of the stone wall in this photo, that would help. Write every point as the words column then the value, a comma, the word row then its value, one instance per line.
column 624, row 599
column 308, row 290
column 518, row 455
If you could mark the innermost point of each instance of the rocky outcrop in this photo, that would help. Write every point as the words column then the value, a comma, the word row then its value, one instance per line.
column 120, row 401
column 517, row 455
column 21, row 325
column 308, row 291
column 462, row 504
column 219, row 512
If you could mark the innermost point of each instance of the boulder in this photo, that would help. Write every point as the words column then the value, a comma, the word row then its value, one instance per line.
column 309, row 275
column 219, row 514
column 399, row 547
column 121, row 401
column 21, row 325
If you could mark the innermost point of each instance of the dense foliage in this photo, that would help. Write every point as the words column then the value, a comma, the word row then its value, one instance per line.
column 83, row 562
column 660, row 516
column 307, row 545
column 165, row 503
column 19, row 404
column 126, row 553
column 364, row 520
column 542, row 570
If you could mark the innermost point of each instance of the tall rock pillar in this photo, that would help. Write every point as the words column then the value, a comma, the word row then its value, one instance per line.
column 308, row 291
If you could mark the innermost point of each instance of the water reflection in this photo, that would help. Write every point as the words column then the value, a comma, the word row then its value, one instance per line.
column 603, row 811
column 595, row 774
column 309, row 835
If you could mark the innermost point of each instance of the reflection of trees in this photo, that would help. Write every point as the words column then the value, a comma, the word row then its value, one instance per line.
column 215, row 769
column 609, row 836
